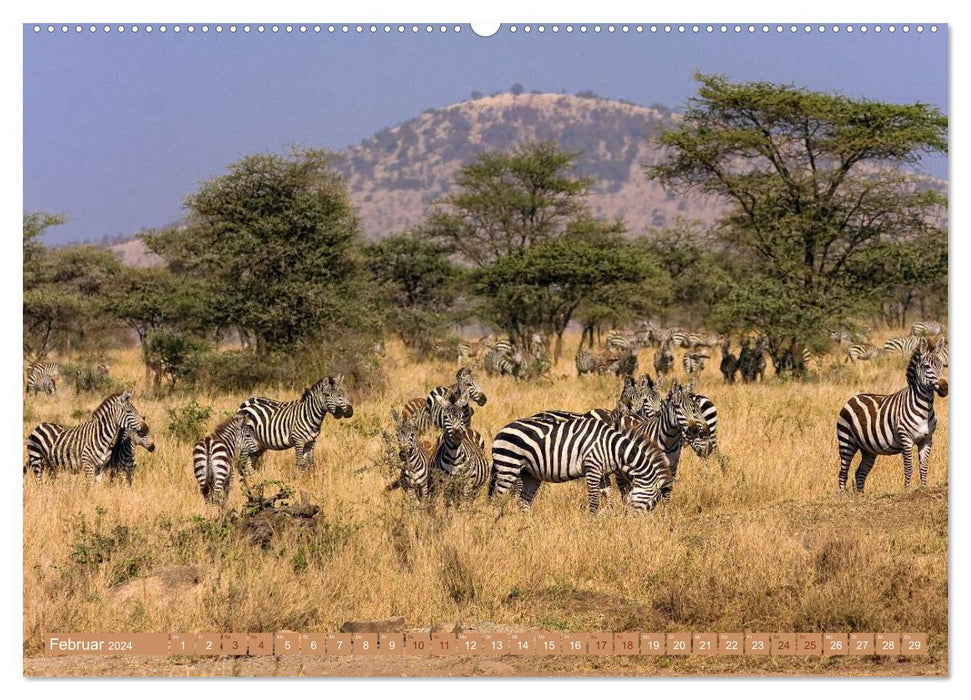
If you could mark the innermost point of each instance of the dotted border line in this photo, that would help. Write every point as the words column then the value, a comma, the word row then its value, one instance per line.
column 455, row 29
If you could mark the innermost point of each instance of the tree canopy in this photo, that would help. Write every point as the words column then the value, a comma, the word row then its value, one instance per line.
column 815, row 183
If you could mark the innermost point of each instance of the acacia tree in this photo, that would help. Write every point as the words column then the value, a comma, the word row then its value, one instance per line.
column 275, row 243
column 418, row 285
column 814, row 183
column 509, row 201
column 542, row 287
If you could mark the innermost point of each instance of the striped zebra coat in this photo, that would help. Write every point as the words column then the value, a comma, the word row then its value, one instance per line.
column 42, row 377
column 693, row 362
column 862, row 352
column 925, row 328
column 217, row 457
column 86, row 447
column 529, row 451
column 878, row 424
column 427, row 413
column 461, row 455
column 280, row 425
column 417, row 459
column 663, row 360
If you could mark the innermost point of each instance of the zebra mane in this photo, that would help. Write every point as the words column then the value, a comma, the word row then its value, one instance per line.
column 316, row 386
column 228, row 421
column 112, row 400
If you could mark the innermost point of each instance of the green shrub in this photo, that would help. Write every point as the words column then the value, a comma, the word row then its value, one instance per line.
column 188, row 422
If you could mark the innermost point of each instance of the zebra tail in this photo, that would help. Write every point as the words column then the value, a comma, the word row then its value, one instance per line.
column 493, row 478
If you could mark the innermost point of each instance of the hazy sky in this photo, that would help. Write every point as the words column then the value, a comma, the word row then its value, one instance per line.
column 118, row 128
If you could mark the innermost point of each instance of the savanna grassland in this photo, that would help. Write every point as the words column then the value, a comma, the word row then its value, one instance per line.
column 756, row 538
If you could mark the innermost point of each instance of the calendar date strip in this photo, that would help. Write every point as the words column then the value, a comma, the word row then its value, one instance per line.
column 491, row 644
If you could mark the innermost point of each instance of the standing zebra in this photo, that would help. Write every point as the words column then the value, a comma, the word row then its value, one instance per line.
column 529, row 451
column 86, row 447
column 693, row 362
column 280, row 425
column 861, row 352
column 461, row 455
column 878, row 424
column 923, row 328
column 216, row 457
column 904, row 344
column 416, row 459
column 427, row 413
column 729, row 364
column 42, row 377
column 663, row 359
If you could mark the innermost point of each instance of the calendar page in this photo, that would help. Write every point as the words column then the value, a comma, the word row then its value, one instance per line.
column 524, row 349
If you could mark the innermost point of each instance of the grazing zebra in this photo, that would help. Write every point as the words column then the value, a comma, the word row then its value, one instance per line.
column 589, row 362
column 86, row 447
column 280, row 425
column 878, row 424
column 861, row 352
column 751, row 362
column 628, row 340
column 693, row 362
column 529, row 451
column 426, row 413
column 663, row 360
column 498, row 363
column 904, row 344
column 216, row 457
column 42, row 377
column 461, row 455
column 926, row 328
column 729, row 364
column 416, row 459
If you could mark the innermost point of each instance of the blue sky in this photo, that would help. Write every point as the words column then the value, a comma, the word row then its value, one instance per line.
column 118, row 128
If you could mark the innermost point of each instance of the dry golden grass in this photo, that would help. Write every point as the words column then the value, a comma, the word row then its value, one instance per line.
column 754, row 539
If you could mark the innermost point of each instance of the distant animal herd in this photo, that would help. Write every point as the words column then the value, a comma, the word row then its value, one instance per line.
column 636, row 445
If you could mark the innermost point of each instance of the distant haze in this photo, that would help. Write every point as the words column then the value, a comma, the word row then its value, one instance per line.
column 119, row 128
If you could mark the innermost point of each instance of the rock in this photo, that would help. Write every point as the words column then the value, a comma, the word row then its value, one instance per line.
column 395, row 624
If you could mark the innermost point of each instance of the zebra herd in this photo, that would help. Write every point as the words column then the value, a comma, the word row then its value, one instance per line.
column 106, row 443
column 42, row 376
column 639, row 442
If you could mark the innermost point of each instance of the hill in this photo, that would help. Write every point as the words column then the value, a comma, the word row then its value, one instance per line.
column 396, row 175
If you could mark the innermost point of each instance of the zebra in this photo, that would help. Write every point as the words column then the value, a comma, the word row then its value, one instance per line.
column 861, row 352
column 904, row 344
column 280, row 425
column 426, row 413
column 693, row 362
column 589, row 362
column 461, row 454
column 729, row 364
column 470, row 350
column 751, row 362
column 86, row 447
column 663, row 360
column 702, row 340
column 529, row 451
column 42, row 377
column 878, row 424
column 416, row 458
column 216, row 457
column 923, row 328
column 498, row 363
column 122, row 459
